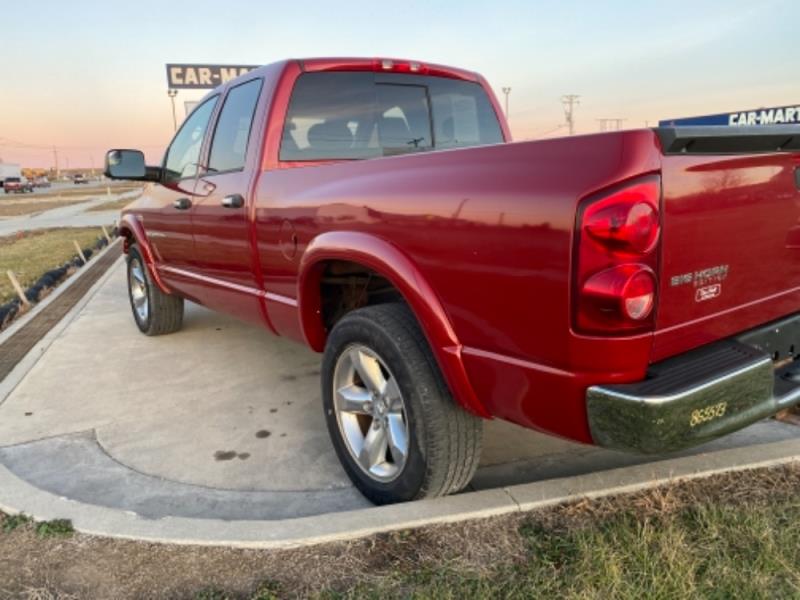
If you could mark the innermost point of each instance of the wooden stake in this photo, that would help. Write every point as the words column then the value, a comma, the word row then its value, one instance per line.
column 17, row 288
column 80, row 252
column 105, row 233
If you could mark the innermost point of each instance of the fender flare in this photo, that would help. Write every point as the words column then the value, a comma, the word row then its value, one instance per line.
column 131, row 228
column 392, row 263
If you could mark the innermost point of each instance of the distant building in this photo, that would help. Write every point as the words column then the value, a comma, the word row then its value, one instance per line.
column 782, row 115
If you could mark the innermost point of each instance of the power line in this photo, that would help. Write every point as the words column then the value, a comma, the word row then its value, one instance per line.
column 570, row 101
column 548, row 131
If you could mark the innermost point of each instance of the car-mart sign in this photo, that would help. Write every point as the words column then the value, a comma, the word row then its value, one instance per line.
column 762, row 116
column 203, row 76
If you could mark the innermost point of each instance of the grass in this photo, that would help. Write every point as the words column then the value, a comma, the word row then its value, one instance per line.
column 76, row 191
column 114, row 205
column 11, row 522
column 699, row 552
column 43, row 529
column 54, row 528
column 729, row 536
column 30, row 254
column 17, row 207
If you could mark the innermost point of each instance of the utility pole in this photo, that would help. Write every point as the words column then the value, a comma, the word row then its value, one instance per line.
column 610, row 124
column 172, row 94
column 55, row 160
column 507, row 91
column 569, row 101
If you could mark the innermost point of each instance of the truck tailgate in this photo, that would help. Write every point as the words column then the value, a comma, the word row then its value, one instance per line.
column 730, row 252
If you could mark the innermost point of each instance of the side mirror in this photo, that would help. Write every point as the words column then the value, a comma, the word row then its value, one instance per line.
column 126, row 164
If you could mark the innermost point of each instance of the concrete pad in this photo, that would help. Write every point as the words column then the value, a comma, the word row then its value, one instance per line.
column 223, row 422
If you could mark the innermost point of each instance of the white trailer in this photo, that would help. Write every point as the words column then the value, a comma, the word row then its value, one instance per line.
column 9, row 170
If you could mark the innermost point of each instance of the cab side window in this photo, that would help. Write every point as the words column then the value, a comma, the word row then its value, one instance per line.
column 184, row 151
column 232, row 134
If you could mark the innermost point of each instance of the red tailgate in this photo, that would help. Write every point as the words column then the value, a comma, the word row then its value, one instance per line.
column 730, row 246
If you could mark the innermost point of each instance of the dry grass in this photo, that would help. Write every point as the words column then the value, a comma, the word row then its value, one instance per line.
column 729, row 536
column 31, row 253
column 113, row 205
column 84, row 191
column 26, row 206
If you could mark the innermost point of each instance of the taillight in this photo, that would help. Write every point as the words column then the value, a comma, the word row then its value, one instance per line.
column 616, row 241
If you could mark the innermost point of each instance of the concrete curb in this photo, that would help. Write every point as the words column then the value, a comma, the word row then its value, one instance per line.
column 17, row 374
column 17, row 496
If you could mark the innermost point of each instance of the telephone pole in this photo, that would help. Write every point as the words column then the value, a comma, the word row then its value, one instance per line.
column 570, row 101
column 55, row 161
column 507, row 91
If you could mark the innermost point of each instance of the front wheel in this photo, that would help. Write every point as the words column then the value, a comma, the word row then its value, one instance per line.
column 394, row 425
column 155, row 312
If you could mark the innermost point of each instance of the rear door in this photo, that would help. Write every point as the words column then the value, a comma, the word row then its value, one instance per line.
column 220, row 212
column 730, row 246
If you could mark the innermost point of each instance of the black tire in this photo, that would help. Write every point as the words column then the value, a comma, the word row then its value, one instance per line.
column 163, row 312
column 444, row 441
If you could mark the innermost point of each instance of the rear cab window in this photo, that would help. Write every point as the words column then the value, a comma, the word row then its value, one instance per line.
column 347, row 116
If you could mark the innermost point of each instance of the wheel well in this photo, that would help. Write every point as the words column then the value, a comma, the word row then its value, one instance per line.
column 346, row 286
column 127, row 238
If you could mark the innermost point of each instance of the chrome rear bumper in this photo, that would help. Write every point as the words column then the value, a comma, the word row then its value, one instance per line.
column 701, row 395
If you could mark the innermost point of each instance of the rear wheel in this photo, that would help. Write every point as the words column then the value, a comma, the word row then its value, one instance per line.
column 155, row 312
column 396, row 429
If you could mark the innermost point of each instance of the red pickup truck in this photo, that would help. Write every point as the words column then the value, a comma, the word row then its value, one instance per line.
column 639, row 290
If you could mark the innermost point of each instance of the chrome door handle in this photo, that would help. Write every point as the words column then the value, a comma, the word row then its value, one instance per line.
column 233, row 201
column 182, row 204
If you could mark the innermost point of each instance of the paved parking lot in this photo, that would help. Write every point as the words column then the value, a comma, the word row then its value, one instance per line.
column 219, row 421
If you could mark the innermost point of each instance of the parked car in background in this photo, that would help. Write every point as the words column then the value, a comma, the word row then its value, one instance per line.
column 638, row 290
column 41, row 182
column 18, row 185
column 79, row 178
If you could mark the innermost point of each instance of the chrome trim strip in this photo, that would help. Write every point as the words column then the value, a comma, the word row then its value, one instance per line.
column 281, row 299
column 243, row 289
column 286, row 300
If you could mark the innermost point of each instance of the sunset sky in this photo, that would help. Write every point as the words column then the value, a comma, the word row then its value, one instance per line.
column 86, row 76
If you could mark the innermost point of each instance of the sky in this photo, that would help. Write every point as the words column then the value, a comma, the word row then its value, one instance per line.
column 86, row 76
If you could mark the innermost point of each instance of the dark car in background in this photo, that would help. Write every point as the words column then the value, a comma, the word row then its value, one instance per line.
column 18, row 185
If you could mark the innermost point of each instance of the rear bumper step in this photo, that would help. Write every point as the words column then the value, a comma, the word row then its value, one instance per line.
column 701, row 395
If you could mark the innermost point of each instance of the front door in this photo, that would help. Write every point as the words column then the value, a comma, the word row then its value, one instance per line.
column 223, row 254
column 167, row 205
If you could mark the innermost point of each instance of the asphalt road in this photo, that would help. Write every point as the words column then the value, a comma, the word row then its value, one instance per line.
column 57, row 186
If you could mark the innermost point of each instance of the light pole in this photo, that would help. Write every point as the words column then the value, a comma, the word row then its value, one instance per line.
column 172, row 94
column 507, row 91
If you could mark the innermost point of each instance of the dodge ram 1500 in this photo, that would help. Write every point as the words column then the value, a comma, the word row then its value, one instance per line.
column 639, row 290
